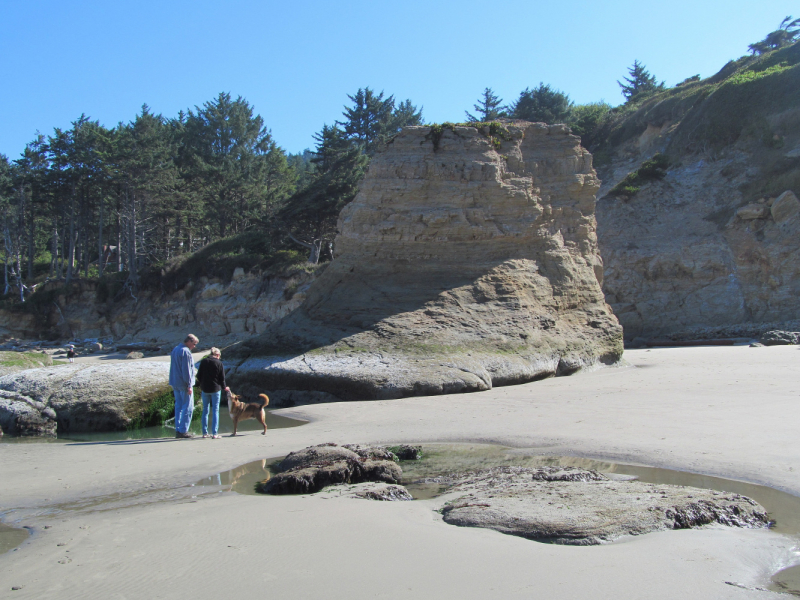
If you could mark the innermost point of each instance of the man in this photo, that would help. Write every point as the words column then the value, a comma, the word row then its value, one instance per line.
column 181, row 378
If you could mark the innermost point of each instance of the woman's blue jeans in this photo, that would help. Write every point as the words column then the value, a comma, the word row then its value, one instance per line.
column 211, row 401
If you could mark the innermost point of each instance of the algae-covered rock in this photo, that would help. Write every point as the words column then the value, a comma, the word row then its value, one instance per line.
column 91, row 397
column 316, row 467
column 467, row 260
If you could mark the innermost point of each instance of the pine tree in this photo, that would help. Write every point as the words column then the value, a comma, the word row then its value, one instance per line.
column 542, row 104
column 640, row 84
column 489, row 108
column 373, row 119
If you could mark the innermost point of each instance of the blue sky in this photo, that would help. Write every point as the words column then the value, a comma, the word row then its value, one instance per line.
column 297, row 61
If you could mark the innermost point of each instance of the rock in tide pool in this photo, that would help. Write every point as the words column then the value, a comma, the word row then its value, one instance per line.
column 467, row 260
column 81, row 398
column 566, row 505
column 309, row 470
column 387, row 492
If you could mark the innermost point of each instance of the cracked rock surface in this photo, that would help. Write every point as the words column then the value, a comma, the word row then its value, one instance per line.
column 567, row 505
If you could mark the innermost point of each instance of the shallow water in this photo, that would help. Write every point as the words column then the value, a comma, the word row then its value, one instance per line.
column 443, row 459
column 147, row 433
column 11, row 537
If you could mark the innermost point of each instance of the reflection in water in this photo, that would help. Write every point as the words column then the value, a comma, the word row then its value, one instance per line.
column 11, row 537
column 244, row 478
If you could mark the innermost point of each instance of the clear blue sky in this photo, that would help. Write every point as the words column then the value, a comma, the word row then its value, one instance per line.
column 296, row 61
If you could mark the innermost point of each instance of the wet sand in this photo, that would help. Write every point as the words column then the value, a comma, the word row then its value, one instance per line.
column 731, row 412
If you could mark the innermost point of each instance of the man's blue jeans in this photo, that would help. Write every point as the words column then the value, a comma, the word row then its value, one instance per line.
column 184, row 407
column 211, row 400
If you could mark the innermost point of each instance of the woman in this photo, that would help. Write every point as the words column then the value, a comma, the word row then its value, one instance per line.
column 211, row 378
column 71, row 354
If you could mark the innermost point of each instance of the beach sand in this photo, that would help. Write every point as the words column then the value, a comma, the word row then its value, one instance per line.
column 121, row 520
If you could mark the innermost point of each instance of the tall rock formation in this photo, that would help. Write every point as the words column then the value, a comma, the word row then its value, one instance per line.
column 467, row 260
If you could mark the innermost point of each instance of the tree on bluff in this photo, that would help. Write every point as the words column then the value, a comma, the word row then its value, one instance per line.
column 542, row 104
column 340, row 161
column 640, row 84
column 488, row 108
column 373, row 119
column 787, row 33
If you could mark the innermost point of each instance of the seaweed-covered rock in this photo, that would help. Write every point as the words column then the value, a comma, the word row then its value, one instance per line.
column 309, row 470
column 579, row 507
column 406, row 452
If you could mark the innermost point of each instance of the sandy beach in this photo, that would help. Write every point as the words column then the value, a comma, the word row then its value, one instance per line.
column 122, row 520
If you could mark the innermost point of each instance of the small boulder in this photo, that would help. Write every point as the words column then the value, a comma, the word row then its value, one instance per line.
column 780, row 338
column 135, row 355
column 309, row 470
column 406, row 452
column 750, row 212
column 785, row 206
column 387, row 492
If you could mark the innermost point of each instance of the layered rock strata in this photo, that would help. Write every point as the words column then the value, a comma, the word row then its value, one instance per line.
column 467, row 260
column 219, row 312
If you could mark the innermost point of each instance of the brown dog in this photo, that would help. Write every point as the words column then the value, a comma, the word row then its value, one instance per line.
column 241, row 411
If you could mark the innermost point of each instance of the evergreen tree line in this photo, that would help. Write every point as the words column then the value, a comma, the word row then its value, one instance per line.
column 89, row 200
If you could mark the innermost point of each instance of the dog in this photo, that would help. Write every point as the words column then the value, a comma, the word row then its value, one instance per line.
column 241, row 411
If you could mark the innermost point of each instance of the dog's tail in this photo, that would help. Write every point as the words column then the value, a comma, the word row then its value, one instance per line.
column 264, row 399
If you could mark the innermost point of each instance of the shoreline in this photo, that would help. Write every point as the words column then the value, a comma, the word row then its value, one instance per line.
column 728, row 412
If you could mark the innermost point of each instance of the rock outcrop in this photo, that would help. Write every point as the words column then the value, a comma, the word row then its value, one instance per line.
column 219, row 312
column 310, row 470
column 467, row 260
column 80, row 398
column 25, row 417
column 565, row 505
column 714, row 243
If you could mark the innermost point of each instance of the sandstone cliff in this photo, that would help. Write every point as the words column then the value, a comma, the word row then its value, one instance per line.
column 468, row 259
column 714, row 244
column 219, row 312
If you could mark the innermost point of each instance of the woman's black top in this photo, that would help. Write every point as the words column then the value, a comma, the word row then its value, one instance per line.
column 211, row 375
column 70, row 353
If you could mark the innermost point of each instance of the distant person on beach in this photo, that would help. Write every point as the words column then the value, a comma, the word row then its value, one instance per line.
column 211, row 379
column 181, row 378
column 71, row 354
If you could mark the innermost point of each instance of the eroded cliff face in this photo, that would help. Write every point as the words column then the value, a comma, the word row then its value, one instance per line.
column 468, row 259
column 217, row 311
column 700, row 250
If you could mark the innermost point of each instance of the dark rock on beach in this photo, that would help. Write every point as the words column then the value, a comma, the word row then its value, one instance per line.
column 780, row 338
column 579, row 507
column 309, row 470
